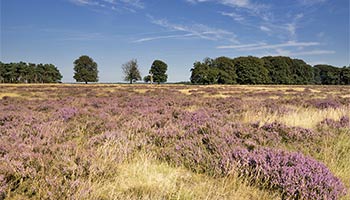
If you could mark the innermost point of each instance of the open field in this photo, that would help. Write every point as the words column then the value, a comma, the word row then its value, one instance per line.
column 109, row 141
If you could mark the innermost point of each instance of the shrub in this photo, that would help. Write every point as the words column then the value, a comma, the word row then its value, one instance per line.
column 293, row 174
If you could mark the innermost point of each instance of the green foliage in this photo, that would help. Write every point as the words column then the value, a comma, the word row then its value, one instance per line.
column 226, row 70
column 329, row 75
column 266, row 70
column 218, row 71
column 131, row 71
column 85, row 69
column 284, row 70
column 29, row 73
column 147, row 79
column 203, row 73
column 279, row 68
column 345, row 75
column 158, row 69
column 251, row 70
column 302, row 73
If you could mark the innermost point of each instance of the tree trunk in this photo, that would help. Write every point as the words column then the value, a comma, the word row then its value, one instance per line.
column 131, row 81
column 85, row 82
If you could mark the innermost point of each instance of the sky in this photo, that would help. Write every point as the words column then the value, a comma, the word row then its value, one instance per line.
column 178, row 32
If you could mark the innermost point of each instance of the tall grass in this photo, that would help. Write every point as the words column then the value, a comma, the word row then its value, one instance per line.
column 144, row 177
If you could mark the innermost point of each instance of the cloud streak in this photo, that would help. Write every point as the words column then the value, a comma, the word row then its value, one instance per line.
column 163, row 37
column 262, row 46
column 246, row 4
column 195, row 30
column 129, row 5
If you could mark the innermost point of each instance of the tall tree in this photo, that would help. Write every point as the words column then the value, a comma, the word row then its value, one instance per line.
column 329, row 74
column 345, row 75
column 251, row 70
column 29, row 73
column 85, row 69
column 158, row 69
column 226, row 70
column 204, row 73
column 302, row 73
column 279, row 68
column 131, row 71
column 2, row 72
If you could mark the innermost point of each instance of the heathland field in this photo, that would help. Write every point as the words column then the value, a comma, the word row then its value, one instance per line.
column 174, row 142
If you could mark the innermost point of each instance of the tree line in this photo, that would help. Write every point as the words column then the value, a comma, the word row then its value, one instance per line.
column 29, row 73
column 221, row 70
column 86, row 71
column 266, row 70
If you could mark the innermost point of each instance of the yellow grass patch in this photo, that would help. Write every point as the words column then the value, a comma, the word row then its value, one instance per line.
column 146, row 178
column 142, row 91
column 9, row 95
column 186, row 91
column 302, row 117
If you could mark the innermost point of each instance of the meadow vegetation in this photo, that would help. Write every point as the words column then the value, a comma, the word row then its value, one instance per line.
column 174, row 142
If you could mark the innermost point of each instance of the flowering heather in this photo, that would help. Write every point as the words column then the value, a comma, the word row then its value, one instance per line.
column 294, row 175
column 67, row 113
column 343, row 122
column 289, row 133
column 57, row 145
column 325, row 103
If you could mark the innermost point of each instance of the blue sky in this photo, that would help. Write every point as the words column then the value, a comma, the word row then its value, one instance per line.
column 178, row 32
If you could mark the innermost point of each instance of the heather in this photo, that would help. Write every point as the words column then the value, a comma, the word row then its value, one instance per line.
column 174, row 141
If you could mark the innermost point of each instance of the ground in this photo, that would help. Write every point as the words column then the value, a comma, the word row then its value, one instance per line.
column 114, row 141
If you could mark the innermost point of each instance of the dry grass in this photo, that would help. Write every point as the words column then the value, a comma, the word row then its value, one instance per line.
column 119, row 174
column 143, row 177
column 302, row 117
column 6, row 94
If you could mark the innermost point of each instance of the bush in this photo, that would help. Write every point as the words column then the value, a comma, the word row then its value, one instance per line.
column 293, row 174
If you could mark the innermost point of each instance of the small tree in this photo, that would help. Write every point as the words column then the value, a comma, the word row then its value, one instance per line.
column 85, row 70
column 158, row 69
column 131, row 71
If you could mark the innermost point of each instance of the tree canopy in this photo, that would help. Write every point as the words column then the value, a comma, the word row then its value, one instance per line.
column 29, row 73
column 266, row 70
column 85, row 69
column 251, row 70
column 158, row 70
column 131, row 71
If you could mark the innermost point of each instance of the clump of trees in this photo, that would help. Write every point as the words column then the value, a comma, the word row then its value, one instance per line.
column 266, row 70
column 131, row 71
column 85, row 70
column 29, row 73
column 157, row 73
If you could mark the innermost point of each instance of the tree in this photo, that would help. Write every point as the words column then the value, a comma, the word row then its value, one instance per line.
column 345, row 75
column 29, row 73
column 85, row 70
column 131, row 71
column 2, row 72
column 302, row 73
column 226, row 70
column 329, row 74
column 158, row 69
column 251, row 70
column 279, row 68
column 204, row 73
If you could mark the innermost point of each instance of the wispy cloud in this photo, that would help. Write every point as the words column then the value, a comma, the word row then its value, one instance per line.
column 284, row 52
column 265, row 29
column 263, row 46
column 233, row 15
column 195, row 30
column 74, row 35
column 313, row 52
column 129, row 5
column 311, row 2
column 146, row 39
column 247, row 4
